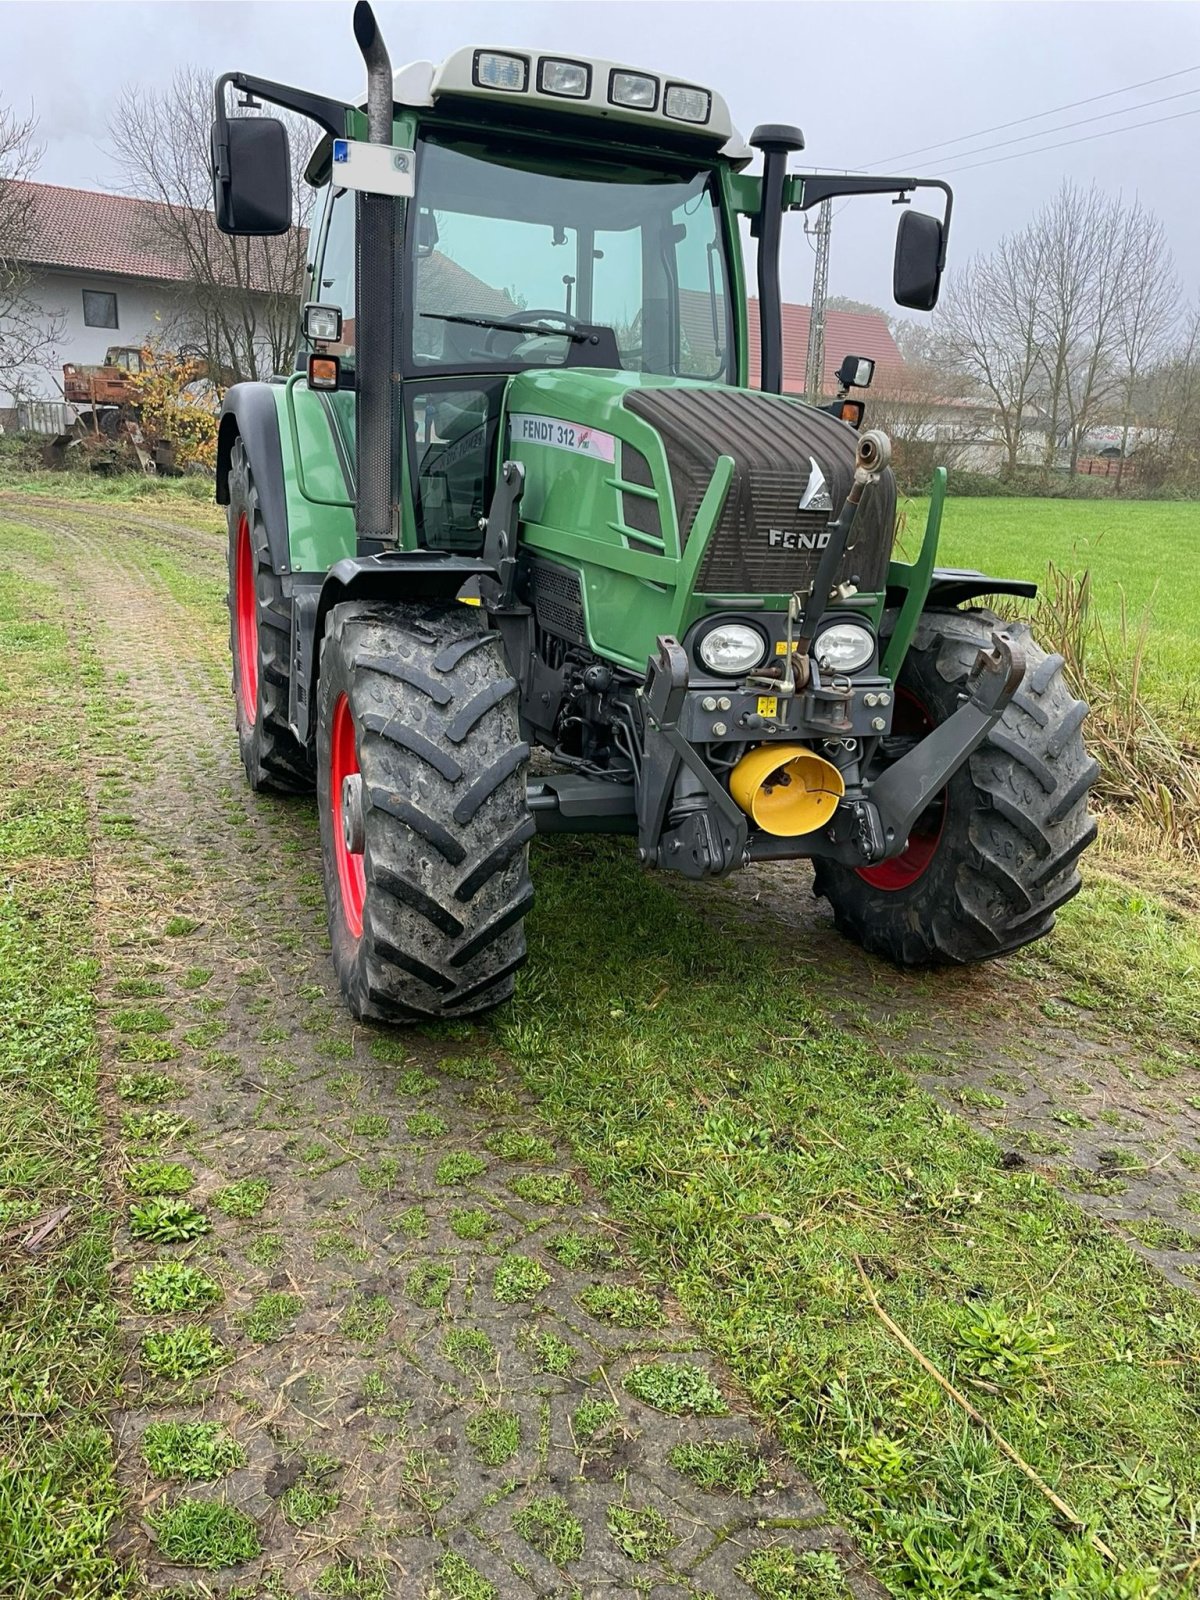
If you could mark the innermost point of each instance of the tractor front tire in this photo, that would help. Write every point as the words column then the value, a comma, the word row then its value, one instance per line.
column 260, row 632
column 425, row 827
column 994, row 856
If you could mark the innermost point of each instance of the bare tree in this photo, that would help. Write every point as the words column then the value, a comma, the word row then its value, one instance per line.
column 1147, row 309
column 988, row 320
column 28, row 332
column 1083, row 235
column 240, row 309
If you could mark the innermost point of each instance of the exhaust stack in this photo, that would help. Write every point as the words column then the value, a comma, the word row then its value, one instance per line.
column 377, row 290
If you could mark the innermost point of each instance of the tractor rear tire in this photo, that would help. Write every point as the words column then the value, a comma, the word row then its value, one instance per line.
column 260, row 633
column 425, row 827
column 993, row 858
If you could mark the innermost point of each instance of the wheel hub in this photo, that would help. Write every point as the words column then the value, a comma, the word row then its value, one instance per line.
column 352, row 813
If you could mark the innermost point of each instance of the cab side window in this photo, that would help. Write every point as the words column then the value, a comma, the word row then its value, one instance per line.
column 333, row 283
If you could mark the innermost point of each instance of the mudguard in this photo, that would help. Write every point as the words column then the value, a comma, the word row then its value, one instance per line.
column 251, row 411
column 950, row 586
column 395, row 575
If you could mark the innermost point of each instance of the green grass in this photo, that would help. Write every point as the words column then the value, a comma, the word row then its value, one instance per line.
column 593, row 1418
column 724, row 1467
column 547, row 1524
column 172, row 1286
column 199, row 1451
column 518, row 1278
column 183, row 1354
column 758, row 1154
column 456, row 1579
column 204, row 1533
column 676, row 1387
column 163, row 1221
column 781, row 1573
column 641, row 1532
column 243, row 1199
column 494, row 1435
column 626, row 1308
column 271, row 1316
column 59, row 1356
column 1145, row 553
column 159, row 1177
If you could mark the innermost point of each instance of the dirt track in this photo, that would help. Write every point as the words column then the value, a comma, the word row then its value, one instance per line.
column 413, row 1198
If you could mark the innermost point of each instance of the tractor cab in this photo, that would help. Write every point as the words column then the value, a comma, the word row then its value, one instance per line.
column 562, row 219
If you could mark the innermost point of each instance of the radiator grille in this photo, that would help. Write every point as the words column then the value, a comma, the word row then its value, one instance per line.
column 764, row 542
column 557, row 600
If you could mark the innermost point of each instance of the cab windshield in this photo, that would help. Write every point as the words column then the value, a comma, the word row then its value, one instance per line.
column 596, row 264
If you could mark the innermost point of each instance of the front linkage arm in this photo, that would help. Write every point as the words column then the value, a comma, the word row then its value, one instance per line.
column 904, row 790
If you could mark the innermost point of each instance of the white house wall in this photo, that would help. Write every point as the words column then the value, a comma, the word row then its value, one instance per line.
column 144, row 310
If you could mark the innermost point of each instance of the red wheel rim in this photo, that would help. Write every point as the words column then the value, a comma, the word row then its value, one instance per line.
column 351, row 864
column 902, row 871
column 246, row 613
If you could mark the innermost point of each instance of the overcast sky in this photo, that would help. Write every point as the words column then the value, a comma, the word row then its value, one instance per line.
column 866, row 82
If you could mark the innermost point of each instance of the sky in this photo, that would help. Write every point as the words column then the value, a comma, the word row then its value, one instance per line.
column 866, row 82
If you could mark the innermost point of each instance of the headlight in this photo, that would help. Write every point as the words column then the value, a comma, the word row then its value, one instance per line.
column 496, row 71
column 633, row 89
column 732, row 648
column 844, row 647
column 570, row 78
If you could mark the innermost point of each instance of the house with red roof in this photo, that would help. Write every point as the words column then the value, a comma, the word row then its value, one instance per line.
column 105, row 272
column 847, row 333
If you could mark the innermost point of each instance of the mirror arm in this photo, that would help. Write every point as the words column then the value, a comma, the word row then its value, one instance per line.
column 328, row 114
column 815, row 187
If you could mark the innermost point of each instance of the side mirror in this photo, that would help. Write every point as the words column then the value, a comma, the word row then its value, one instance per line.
column 917, row 271
column 252, row 176
column 427, row 234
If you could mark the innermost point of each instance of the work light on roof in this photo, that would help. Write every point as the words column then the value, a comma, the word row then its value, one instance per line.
column 570, row 78
column 686, row 104
column 633, row 89
column 496, row 71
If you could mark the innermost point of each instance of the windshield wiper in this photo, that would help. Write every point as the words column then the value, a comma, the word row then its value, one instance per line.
column 503, row 322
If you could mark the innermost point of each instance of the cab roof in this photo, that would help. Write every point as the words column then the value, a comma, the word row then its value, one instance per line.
column 471, row 74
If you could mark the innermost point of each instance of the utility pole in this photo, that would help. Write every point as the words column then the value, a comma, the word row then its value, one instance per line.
column 814, row 370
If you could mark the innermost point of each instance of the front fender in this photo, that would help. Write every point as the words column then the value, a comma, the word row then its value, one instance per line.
column 395, row 576
column 251, row 413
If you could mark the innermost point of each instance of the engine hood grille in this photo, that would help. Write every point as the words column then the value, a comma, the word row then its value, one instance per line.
column 793, row 470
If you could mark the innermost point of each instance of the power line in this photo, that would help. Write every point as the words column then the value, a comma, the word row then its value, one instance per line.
column 1104, row 133
column 1035, row 116
column 1079, row 122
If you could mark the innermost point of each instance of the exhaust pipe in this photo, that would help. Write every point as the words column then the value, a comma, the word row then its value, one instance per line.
column 379, row 74
column 377, row 292
column 786, row 789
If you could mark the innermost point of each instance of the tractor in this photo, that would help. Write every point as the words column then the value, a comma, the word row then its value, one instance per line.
column 516, row 548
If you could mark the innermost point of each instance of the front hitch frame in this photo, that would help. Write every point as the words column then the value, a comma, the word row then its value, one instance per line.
column 901, row 793
column 710, row 839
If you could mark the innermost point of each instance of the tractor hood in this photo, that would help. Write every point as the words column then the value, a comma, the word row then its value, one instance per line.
column 634, row 461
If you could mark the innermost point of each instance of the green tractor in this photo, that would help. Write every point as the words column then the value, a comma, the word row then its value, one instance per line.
column 519, row 494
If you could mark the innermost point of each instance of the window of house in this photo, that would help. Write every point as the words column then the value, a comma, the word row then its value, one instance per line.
column 99, row 309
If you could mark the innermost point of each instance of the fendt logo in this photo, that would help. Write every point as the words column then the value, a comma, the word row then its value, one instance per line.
column 814, row 498
column 781, row 539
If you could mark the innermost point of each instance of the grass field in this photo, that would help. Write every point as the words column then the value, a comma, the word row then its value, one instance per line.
column 777, row 1173
column 1144, row 557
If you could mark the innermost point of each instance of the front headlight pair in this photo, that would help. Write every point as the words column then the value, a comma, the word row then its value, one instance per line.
column 733, row 649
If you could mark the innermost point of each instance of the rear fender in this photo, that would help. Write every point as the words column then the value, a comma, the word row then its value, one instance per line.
column 394, row 577
column 251, row 413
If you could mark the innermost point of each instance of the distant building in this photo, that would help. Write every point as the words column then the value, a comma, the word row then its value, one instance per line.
column 97, row 264
column 847, row 333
